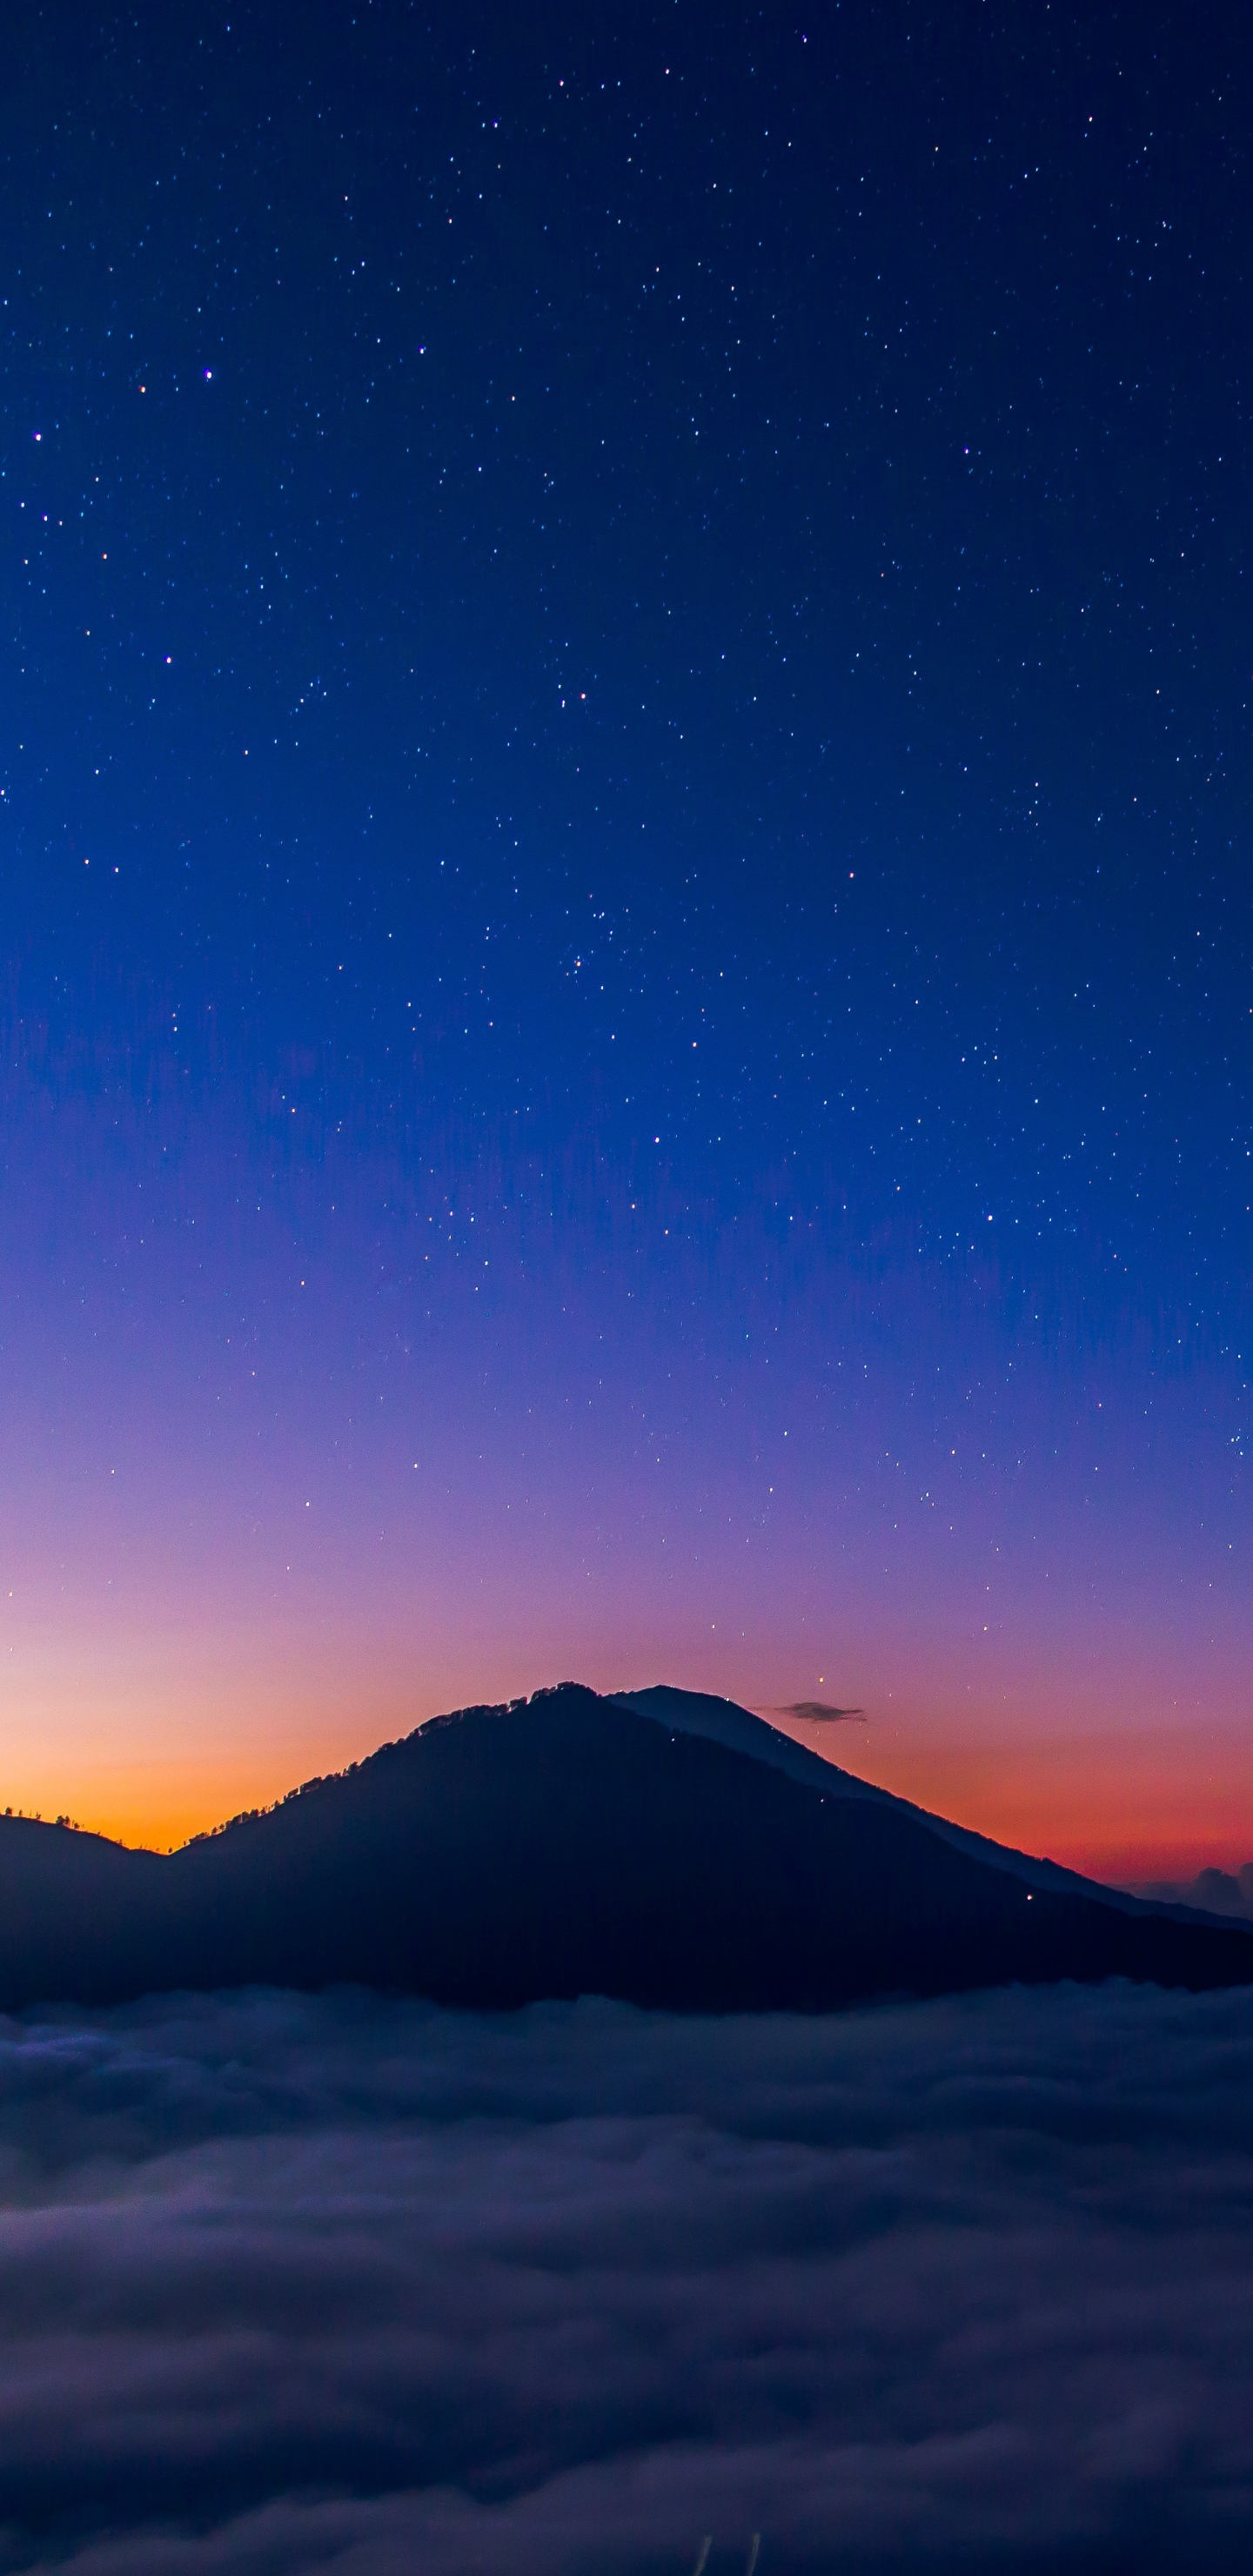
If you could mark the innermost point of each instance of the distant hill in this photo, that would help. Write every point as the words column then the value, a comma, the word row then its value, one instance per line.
column 661, row 1847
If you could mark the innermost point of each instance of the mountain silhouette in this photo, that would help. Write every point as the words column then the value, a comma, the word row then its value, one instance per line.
column 662, row 1847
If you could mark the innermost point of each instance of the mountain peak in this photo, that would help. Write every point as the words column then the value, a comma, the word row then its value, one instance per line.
column 661, row 1846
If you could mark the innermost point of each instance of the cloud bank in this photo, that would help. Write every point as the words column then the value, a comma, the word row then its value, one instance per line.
column 1219, row 1891
column 340, row 2284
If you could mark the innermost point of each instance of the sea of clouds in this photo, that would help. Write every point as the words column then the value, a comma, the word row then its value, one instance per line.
column 353, row 2285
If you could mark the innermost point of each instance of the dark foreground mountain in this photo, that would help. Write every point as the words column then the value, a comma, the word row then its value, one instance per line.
column 661, row 1847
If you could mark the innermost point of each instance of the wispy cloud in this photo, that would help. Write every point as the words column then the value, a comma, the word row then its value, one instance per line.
column 817, row 1711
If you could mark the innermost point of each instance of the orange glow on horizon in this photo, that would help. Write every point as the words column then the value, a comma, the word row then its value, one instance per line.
column 1116, row 1808
column 1122, row 1767
column 1105, row 1808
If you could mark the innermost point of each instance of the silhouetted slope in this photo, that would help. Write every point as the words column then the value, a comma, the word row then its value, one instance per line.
column 79, row 1917
column 701, row 1713
column 565, row 1846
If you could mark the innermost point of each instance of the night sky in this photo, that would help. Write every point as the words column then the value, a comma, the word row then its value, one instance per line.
column 624, row 786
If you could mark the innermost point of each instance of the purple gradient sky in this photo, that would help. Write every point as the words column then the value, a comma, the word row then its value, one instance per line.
column 625, row 1048
column 284, row 1474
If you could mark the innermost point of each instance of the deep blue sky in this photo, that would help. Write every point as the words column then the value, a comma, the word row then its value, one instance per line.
column 627, row 623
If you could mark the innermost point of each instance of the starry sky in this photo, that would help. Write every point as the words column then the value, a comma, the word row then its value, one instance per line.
column 624, row 791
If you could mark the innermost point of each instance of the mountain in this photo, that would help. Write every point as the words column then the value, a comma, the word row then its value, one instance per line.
column 659, row 1846
column 699, row 1713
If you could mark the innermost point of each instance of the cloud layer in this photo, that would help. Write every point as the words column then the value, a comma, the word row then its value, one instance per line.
column 339, row 2284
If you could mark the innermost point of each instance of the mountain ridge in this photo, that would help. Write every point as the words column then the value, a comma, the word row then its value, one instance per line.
column 564, row 1844
column 1035, row 1871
